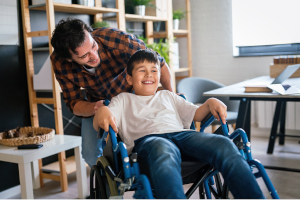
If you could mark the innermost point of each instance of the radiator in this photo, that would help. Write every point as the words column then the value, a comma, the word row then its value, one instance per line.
column 264, row 112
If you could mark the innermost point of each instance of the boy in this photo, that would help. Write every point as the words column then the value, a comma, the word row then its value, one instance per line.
column 157, row 125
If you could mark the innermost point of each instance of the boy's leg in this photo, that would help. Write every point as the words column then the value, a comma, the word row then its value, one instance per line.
column 91, row 145
column 164, row 161
column 222, row 154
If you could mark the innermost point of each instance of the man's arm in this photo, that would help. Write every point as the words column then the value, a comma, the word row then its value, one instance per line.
column 213, row 105
column 166, row 77
column 87, row 109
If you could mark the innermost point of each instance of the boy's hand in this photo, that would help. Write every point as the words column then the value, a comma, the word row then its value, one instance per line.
column 103, row 118
column 217, row 108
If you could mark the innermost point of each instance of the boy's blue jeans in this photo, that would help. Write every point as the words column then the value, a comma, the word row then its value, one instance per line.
column 163, row 153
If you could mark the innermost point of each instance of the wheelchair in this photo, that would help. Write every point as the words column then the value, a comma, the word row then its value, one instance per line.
column 115, row 172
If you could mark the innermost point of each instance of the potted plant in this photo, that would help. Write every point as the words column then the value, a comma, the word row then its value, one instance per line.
column 163, row 48
column 177, row 15
column 99, row 24
column 140, row 6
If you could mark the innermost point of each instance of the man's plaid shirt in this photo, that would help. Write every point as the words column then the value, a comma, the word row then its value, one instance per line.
column 115, row 49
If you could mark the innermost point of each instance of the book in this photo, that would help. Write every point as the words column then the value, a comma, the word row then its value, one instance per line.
column 257, row 88
column 279, row 88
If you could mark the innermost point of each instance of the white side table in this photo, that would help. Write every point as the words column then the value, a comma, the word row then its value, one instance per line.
column 25, row 159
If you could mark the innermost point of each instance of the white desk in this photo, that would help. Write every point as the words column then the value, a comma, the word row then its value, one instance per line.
column 25, row 159
column 237, row 92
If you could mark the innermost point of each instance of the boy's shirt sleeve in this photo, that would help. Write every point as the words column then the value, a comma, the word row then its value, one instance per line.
column 185, row 109
column 116, row 108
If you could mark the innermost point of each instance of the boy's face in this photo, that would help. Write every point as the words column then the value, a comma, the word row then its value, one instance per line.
column 145, row 78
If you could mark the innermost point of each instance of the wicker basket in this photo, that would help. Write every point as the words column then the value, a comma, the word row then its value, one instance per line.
column 23, row 139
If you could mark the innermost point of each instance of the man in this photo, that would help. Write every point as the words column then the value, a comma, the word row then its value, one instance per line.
column 94, row 60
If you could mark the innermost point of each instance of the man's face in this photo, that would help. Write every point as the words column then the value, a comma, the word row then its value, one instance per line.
column 87, row 53
column 145, row 78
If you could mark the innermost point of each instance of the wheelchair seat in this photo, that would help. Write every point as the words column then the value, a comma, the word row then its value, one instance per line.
column 190, row 170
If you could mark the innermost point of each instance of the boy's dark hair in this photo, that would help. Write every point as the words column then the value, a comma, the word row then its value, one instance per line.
column 139, row 57
column 68, row 34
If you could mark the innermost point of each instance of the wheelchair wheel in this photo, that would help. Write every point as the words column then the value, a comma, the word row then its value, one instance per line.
column 96, row 184
column 109, row 186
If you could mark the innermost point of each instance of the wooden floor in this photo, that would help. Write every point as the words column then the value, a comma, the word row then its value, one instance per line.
column 286, row 183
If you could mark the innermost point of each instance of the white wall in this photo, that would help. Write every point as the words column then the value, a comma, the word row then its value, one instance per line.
column 212, row 58
column 212, row 44
column 8, row 22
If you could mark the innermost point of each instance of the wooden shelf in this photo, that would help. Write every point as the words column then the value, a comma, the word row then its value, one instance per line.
column 182, row 70
column 54, row 167
column 75, row 8
column 132, row 17
column 40, row 49
column 159, row 35
column 177, row 34
column 180, row 33
column 180, row 77
column 37, row 33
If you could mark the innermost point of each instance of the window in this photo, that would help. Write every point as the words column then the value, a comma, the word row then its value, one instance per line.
column 265, row 27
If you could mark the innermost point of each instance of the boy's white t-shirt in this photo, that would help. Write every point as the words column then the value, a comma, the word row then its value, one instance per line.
column 137, row 116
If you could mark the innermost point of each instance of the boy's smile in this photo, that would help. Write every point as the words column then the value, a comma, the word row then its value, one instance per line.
column 145, row 78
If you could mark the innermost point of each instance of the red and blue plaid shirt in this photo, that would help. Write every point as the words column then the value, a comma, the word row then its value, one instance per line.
column 115, row 49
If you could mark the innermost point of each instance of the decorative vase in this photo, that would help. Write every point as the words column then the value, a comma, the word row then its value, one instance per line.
column 90, row 3
column 175, row 24
column 140, row 10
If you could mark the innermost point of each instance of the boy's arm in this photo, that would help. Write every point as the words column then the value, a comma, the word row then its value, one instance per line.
column 213, row 105
column 103, row 118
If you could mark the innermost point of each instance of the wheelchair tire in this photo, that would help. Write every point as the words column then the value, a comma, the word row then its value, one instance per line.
column 96, row 184
column 109, row 184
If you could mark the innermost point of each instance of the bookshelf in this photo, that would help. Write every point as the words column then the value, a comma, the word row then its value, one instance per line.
column 50, row 7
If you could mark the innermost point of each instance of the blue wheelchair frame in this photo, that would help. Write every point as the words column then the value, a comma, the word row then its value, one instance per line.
column 246, row 153
column 140, row 183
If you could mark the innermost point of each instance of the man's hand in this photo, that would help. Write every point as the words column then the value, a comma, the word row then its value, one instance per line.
column 182, row 95
column 103, row 119
column 217, row 108
column 98, row 105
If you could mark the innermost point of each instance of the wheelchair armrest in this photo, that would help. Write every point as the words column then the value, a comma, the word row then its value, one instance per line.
column 206, row 121
column 209, row 119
